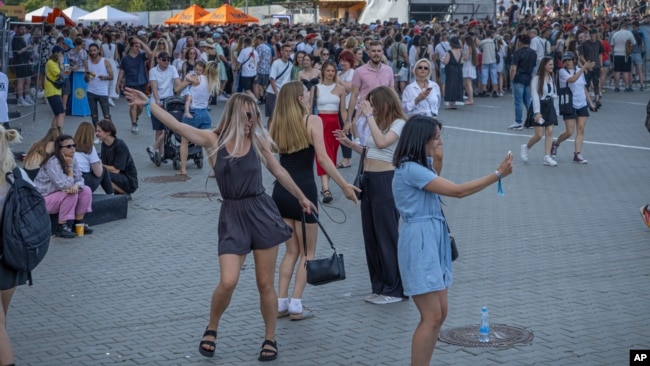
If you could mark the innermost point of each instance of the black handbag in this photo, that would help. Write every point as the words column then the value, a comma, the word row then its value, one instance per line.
column 326, row 270
column 454, row 248
column 358, row 180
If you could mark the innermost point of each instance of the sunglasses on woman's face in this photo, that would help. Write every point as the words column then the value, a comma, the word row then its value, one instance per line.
column 423, row 68
column 71, row 146
column 249, row 115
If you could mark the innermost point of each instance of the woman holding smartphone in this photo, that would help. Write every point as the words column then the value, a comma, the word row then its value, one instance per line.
column 422, row 96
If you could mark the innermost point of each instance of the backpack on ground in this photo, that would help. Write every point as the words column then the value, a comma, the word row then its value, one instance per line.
column 25, row 225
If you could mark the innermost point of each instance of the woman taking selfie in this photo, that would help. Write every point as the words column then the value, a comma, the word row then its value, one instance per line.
column 249, row 219
column 424, row 249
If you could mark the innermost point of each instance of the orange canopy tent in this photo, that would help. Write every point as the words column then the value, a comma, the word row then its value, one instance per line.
column 226, row 14
column 51, row 18
column 188, row 16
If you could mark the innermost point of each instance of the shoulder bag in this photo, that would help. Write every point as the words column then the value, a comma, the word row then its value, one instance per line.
column 326, row 270
column 565, row 98
column 59, row 83
column 358, row 180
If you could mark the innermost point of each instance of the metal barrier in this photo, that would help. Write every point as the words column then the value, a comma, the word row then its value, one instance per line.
column 31, row 69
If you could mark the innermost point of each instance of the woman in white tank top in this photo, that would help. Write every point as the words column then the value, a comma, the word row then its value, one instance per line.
column 330, row 101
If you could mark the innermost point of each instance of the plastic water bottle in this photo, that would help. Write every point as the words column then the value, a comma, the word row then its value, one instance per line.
column 484, row 330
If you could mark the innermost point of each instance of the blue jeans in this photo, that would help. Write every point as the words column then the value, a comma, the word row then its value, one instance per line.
column 491, row 71
column 522, row 95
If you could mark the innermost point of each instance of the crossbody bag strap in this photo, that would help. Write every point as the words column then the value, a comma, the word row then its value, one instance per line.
column 283, row 71
column 304, row 234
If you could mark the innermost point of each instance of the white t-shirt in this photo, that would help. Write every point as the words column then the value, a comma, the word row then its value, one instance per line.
column 86, row 160
column 164, row 80
column 4, row 87
column 577, row 87
column 385, row 154
column 248, row 58
column 200, row 93
column 278, row 68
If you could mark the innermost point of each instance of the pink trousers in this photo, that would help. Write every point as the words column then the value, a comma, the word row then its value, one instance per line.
column 69, row 205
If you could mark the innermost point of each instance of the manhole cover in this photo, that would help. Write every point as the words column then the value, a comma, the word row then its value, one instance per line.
column 194, row 195
column 167, row 179
column 501, row 335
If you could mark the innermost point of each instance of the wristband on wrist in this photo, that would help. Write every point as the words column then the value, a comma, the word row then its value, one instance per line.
column 148, row 108
column 368, row 115
column 499, row 175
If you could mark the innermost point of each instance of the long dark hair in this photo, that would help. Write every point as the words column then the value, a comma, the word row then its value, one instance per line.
column 57, row 152
column 412, row 144
column 541, row 74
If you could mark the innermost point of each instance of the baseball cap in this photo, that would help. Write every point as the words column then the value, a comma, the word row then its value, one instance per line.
column 568, row 56
column 141, row 33
column 216, row 35
column 56, row 49
column 203, row 44
column 68, row 42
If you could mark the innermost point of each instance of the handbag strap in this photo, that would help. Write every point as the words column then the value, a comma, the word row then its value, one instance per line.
column 304, row 234
column 361, row 168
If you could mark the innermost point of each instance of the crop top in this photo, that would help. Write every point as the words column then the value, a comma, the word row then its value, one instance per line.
column 385, row 154
column 326, row 101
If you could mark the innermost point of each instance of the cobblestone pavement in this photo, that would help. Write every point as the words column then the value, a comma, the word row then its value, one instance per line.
column 564, row 254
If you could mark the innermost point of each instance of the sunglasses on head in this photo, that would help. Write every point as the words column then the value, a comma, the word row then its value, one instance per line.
column 71, row 146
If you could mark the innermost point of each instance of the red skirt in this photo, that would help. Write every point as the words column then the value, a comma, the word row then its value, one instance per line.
column 330, row 124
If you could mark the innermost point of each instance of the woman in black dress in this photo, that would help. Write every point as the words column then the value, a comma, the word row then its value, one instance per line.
column 9, row 278
column 299, row 136
column 249, row 219
column 454, row 74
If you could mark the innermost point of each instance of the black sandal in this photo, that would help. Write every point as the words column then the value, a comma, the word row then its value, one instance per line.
column 213, row 344
column 274, row 352
column 327, row 196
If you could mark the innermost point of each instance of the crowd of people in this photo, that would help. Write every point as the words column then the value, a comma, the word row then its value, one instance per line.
column 373, row 89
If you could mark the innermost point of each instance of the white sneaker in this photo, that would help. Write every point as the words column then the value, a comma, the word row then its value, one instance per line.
column 29, row 100
column 371, row 297
column 222, row 98
column 111, row 102
column 516, row 126
column 524, row 152
column 23, row 103
column 40, row 94
column 134, row 128
column 577, row 158
column 548, row 160
column 383, row 300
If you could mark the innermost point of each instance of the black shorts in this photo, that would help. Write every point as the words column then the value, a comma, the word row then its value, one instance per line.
column 246, row 83
column 56, row 103
column 23, row 71
column 262, row 79
column 582, row 112
column 123, row 182
column 269, row 105
column 622, row 64
column 67, row 87
column 138, row 87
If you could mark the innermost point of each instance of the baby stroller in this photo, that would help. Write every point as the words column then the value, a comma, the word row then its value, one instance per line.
column 172, row 141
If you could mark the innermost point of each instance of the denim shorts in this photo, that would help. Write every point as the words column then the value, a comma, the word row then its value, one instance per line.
column 636, row 59
column 201, row 119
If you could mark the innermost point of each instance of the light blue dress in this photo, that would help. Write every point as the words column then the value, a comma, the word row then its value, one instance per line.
column 423, row 248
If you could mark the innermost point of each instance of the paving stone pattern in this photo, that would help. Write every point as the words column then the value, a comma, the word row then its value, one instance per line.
column 564, row 254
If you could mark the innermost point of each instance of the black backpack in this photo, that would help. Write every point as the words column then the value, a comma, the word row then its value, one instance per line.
column 25, row 225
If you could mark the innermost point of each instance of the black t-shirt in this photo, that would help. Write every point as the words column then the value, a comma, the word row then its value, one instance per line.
column 17, row 44
column 524, row 59
column 591, row 51
column 118, row 155
column 135, row 73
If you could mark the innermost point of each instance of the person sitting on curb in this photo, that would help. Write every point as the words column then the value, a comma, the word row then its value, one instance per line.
column 60, row 182
column 117, row 159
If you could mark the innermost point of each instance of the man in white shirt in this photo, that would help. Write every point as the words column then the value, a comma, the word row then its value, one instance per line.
column 537, row 44
column 163, row 80
column 247, row 61
column 279, row 75
column 441, row 52
column 622, row 61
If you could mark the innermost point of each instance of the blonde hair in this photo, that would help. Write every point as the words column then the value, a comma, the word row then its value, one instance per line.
column 423, row 60
column 38, row 151
column 7, row 161
column 211, row 71
column 387, row 106
column 232, row 124
column 288, row 129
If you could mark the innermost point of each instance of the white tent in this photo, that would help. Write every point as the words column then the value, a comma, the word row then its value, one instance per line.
column 40, row 12
column 74, row 12
column 110, row 15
